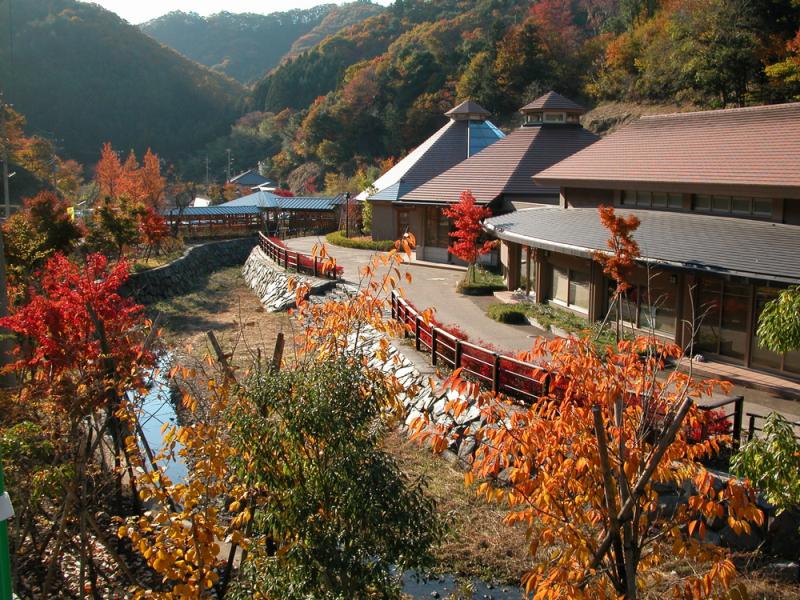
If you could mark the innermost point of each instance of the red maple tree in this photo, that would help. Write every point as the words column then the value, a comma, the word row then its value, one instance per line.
column 467, row 217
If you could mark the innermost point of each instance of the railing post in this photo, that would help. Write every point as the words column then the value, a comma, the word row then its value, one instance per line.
column 416, row 332
column 315, row 266
column 737, row 421
column 496, row 372
column 459, row 352
column 433, row 345
column 751, row 428
column 394, row 306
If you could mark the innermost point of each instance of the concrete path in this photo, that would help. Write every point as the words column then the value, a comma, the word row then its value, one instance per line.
column 435, row 287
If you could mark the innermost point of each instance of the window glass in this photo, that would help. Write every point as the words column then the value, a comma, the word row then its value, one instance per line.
column 659, row 200
column 761, row 357
column 578, row 289
column 791, row 362
column 709, row 305
column 733, row 331
column 741, row 206
column 554, row 117
column 628, row 198
column 560, row 285
column 643, row 199
column 762, row 207
column 675, row 200
column 720, row 203
column 628, row 303
column 702, row 202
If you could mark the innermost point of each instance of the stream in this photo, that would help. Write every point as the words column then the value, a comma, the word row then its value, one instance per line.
column 158, row 409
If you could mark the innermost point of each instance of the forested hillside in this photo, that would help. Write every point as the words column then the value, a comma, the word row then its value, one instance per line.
column 245, row 46
column 376, row 89
column 82, row 76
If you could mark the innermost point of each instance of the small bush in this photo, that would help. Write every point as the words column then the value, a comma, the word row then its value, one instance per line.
column 337, row 238
column 507, row 313
column 483, row 283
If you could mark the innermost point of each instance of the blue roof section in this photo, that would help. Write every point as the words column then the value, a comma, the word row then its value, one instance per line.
column 198, row 211
column 390, row 193
column 259, row 199
column 265, row 200
column 482, row 134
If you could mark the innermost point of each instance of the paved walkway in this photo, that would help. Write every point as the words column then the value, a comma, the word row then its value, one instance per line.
column 434, row 286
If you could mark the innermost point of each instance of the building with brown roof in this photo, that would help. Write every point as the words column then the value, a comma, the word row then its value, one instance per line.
column 467, row 132
column 718, row 197
column 501, row 176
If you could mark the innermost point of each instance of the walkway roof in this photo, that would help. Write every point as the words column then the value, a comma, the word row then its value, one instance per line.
column 200, row 211
column 266, row 200
column 722, row 245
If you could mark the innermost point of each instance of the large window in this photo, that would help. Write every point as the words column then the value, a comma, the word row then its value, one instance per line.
column 437, row 227
column 570, row 288
column 733, row 205
column 761, row 357
column 650, row 307
column 665, row 200
column 723, row 308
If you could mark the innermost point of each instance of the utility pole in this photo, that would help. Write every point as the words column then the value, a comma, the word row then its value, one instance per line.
column 347, row 214
column 5, row 142
column 228, row 150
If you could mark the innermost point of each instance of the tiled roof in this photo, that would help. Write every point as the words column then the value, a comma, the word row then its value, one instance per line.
column 553, row 101
column 249, row 178
column 507, row 166
column 756, row 149
column 700, row 242
column 444, row 149
column 198, row 211
column 466, row 109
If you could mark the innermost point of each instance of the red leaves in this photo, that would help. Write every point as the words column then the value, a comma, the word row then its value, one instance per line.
column 467, row 217
column 63, row 321
column 152, row 227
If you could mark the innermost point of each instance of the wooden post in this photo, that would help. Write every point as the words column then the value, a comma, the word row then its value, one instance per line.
column 737, row 421
column 459, row 352
column 751, row 428
column 496, row 372
column 416, row 331
column 315, row 266
column 433, row 345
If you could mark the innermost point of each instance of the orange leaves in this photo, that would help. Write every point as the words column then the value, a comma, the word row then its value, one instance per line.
column 624, row 249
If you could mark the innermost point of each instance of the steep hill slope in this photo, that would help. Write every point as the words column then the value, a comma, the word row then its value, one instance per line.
column 245, row 46
column 83, row 76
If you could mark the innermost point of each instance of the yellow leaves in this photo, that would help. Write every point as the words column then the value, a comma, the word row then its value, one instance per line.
column 234, row 506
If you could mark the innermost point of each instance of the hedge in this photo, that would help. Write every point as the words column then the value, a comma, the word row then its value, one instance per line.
column 337, row 238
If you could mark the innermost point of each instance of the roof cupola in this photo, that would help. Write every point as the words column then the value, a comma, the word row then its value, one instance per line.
column 468, row 111
column 552, row 109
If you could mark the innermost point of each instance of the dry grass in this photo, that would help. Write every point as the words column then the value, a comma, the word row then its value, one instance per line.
column 228, row 307
column 478, row 543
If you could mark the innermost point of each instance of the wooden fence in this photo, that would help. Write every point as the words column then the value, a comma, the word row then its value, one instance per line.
column 297, row 261
column 524, row 382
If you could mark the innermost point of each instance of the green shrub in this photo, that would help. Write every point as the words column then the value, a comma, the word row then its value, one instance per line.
column 337, row 238
column 507, row 313
column 483, row 283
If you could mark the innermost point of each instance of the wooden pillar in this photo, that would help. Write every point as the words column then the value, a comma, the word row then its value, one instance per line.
column 540, row 276
column 513, row 263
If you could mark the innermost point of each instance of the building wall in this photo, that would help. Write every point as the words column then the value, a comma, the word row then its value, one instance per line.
column 581, row 198
column 384, row 225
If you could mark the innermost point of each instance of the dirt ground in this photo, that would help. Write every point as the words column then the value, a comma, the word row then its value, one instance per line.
column 226, row 306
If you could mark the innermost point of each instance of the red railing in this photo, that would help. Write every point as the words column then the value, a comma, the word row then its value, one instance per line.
column 297, row 261
column 525, row 382
column 503, row 374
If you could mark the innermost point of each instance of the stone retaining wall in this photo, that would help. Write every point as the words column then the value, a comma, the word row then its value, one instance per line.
column 271, row 282
column 189, row 271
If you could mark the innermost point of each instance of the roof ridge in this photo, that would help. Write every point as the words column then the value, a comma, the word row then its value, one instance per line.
column 718, row 111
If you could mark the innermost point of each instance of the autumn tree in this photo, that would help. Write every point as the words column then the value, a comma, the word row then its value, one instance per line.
column 84, row 349
column 114, row 227
column 582, row 465
column 153, row 230
column 467, row 217
column 108, row 172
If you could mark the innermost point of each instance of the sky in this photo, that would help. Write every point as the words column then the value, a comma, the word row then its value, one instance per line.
column 138, row 11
